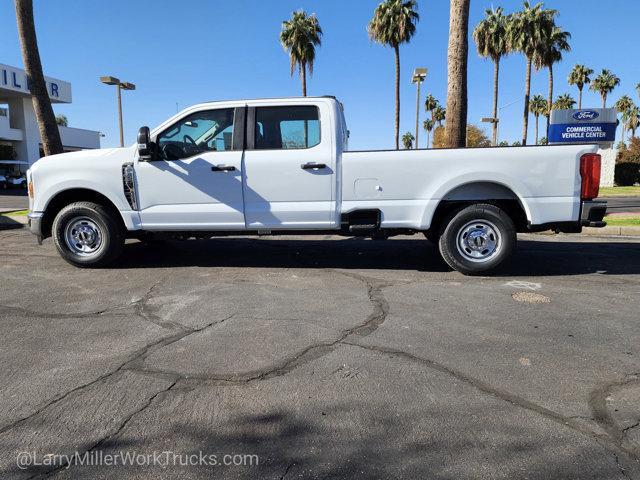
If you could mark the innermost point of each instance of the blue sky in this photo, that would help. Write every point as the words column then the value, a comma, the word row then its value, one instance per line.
column 192, row 51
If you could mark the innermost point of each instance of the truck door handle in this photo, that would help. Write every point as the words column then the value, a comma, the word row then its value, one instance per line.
column 312, row 166
column 223, row 168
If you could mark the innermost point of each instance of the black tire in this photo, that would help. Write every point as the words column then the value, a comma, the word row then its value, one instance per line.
column 477, row 239
column 94, row 218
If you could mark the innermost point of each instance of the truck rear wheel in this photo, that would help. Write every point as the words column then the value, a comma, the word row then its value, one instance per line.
column 87, row 234
column 477, row 239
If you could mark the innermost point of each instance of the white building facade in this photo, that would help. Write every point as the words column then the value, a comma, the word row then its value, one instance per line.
column 18, row 125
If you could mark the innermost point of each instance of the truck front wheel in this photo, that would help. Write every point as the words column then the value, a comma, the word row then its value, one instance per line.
column 87, row 234
column 477, row 239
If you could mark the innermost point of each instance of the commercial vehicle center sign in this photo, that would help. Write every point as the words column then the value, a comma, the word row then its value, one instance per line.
column 595, row 125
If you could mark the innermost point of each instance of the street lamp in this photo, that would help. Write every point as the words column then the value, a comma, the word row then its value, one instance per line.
column 419, row 74
column 120, row 86
column 497, row 120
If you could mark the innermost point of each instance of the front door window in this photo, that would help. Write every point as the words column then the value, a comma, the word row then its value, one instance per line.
column 200, row 132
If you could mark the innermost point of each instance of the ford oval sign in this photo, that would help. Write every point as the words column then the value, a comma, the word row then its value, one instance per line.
column 585, row 115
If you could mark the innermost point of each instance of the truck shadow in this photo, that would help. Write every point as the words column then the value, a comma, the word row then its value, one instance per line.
column 532, row 257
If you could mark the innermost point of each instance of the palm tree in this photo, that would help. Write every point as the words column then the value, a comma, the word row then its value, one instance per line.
column 529, row 31
column 604, row 84
column 564, row 102
column 538, row 106
column 548, row 55
column 407, row 140
column 633, row 119
column 47, row 126
column 428, row 126
column 638, row 88
column 439, row 114
column 623, row 105
column 490, row 36
column 430, row 104
column 579, row 77
column 394, row 23
column 299, row 36
column 457, row 57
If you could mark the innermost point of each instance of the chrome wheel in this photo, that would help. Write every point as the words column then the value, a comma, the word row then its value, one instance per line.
column 478, row 241
column 83, row 236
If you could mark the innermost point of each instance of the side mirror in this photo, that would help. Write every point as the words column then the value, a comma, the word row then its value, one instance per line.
column 145, row 146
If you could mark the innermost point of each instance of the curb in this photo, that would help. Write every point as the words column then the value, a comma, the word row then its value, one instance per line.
column 612, row 231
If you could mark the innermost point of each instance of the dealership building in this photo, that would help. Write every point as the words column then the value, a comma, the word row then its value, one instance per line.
column 18, row 125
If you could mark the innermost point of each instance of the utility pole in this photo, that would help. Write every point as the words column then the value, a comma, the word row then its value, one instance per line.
column 419, row 74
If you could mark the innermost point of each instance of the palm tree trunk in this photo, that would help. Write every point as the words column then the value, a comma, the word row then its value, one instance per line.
column 604, row 100
column 580, row 99
column 397, row 52
column 457, row 56
column 527, row 93
column 303, row 72
column 549, row 101
column 428, row 137
column 496, row 75
column 537, row 118
column 47, row 126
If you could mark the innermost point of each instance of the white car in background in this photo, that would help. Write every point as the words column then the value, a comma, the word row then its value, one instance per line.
column 282, row 166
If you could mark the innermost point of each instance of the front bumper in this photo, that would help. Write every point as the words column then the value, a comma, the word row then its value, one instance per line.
column 592, row 213
column 35, row 224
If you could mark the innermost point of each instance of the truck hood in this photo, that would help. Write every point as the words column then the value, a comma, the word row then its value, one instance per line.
column 85, row 160
column 84, row 154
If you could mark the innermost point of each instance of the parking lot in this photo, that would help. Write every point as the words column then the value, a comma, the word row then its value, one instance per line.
column 323, row 358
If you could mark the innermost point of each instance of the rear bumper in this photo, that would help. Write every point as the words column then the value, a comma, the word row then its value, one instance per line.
column 592, row 213
column 35, row 224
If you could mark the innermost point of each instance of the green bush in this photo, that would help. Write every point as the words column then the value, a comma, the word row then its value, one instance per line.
column 627, row 174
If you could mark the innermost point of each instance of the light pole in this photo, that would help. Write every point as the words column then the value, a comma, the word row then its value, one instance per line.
column 419, row 74
column 119, row 86
column 497, row 120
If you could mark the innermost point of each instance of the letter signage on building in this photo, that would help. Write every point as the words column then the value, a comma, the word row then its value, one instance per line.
column 594, row 125
column 15, row 80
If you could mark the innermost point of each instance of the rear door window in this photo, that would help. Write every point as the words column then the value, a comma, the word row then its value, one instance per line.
column 287, row 127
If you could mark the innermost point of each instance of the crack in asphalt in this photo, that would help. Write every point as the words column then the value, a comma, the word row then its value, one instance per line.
column 613, row 438
column 602, row 414
column 131, row 359
column 631, row 427
column 112, row 435
column 307, row 354
column 286, row 472
column 135, row 361
column 608, row 438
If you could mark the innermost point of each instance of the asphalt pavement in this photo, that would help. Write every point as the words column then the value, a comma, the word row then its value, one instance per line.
column 320, row 357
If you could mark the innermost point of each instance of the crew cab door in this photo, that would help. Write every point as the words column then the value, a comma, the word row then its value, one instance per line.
column 196, row 181
column 289, row 167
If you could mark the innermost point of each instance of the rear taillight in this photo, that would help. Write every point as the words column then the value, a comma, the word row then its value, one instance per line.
column 590, row 173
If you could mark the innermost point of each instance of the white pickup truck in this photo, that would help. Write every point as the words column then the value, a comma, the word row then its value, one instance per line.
column 282, row 166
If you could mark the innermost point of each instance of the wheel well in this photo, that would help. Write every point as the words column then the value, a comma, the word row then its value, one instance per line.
column 480, row 192
column 66, row 197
